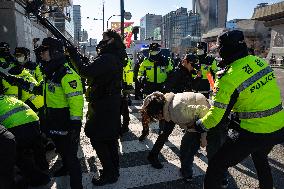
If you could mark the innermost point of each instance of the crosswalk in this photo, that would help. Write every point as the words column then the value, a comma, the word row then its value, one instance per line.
column 135, row 170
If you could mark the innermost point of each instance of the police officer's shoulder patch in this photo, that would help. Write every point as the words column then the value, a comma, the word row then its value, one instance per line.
column 73, row 84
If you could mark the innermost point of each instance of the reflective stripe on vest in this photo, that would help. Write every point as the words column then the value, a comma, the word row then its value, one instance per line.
column 254, row 78
column 75, row 118
column 12, row 112
column 219, row 105
column 259, row 114
column 32, row 97
column 77, row 93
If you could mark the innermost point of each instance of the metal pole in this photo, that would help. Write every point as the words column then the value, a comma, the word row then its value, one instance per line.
column 109, row 19
column 122, row 18
column 103, row 16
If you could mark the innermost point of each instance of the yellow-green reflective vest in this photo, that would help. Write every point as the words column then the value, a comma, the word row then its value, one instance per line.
column 13, row 90
column 147, row 67
column 66, row 94
column 14, row 112
column 128, row 73
column 258, row 106
column 37, row 74
column 207, row 68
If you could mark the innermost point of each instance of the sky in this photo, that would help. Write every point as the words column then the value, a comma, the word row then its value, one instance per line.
column 139, row 8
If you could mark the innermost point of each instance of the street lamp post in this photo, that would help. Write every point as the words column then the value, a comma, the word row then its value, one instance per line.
column 110, row 18
column 122, row 18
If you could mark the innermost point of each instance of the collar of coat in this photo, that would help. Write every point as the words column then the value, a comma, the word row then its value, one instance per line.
column 169, row 100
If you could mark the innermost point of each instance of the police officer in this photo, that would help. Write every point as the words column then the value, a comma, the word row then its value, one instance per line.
column 138, row 85
column 23, row 123
column 22, row 55
column 7, row 158
column 5, row 55
column 126, row 90
column 103, row 124
column 63, row 97
column 153, row 72
column 155, row 69
column 206, row 65
column 13, row 67
column 249, row 89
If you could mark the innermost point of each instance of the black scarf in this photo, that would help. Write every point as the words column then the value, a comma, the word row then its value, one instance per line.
column 50, row 67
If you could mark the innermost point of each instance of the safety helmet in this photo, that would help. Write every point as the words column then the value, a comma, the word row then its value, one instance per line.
column 4, row 47
column 203, row 46
column 232, row 46
column 52, row 44
column 231, row 39
column 191, row 58
column 154, row 47
column 22, row 50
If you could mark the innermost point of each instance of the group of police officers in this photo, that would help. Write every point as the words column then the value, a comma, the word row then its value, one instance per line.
column 43, row 101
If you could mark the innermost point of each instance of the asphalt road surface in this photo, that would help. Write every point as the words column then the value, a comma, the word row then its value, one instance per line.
column 136, row 172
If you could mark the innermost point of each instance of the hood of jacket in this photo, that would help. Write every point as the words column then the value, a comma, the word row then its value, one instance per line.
column 185, row 108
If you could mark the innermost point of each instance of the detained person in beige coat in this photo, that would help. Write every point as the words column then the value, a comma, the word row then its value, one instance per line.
column 183, row 109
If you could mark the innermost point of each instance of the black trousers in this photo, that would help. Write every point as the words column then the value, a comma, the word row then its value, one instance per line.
column 166, row 129
column 107, row 152
column 30, row 152
column 7, row 158
column 124, row 111
column 67, row 147
column 236, row 148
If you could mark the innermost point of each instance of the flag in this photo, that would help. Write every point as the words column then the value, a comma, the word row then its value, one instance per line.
column 128, row 26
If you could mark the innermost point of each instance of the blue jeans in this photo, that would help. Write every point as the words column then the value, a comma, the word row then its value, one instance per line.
column 190, row 144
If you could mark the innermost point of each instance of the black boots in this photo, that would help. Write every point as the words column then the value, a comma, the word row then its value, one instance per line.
column 61, row 172
column 103, row 179
column 145, row 133
column 154, row 161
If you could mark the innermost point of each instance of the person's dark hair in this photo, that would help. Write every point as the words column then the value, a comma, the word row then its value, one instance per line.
column 117, row 46
column 118, row 43
column 153, row 105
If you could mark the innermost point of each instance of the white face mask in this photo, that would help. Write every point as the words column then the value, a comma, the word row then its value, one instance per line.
column 154, row 53
column 200, row 52
column 21, row 59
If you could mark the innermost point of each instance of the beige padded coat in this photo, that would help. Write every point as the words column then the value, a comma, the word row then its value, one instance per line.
column 185, row 108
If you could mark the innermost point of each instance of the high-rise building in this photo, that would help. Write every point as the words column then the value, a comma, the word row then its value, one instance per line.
column 177, row 26
column 148, row 24
column 64, row 21
column 85, row 35
column 213, row 13
column 77, row 22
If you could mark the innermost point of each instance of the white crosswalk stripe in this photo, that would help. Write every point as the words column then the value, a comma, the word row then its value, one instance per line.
column 132, row 175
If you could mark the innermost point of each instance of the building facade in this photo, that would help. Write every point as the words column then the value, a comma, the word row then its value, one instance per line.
column 148, row 24
column 77, row 23
column 273, row 18
column 17, row 29
column 63, row 21
column 85, row 35
column 213, row 13
column 179, row 28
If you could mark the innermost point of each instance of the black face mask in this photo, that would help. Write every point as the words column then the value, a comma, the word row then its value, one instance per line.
column 102, row 44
